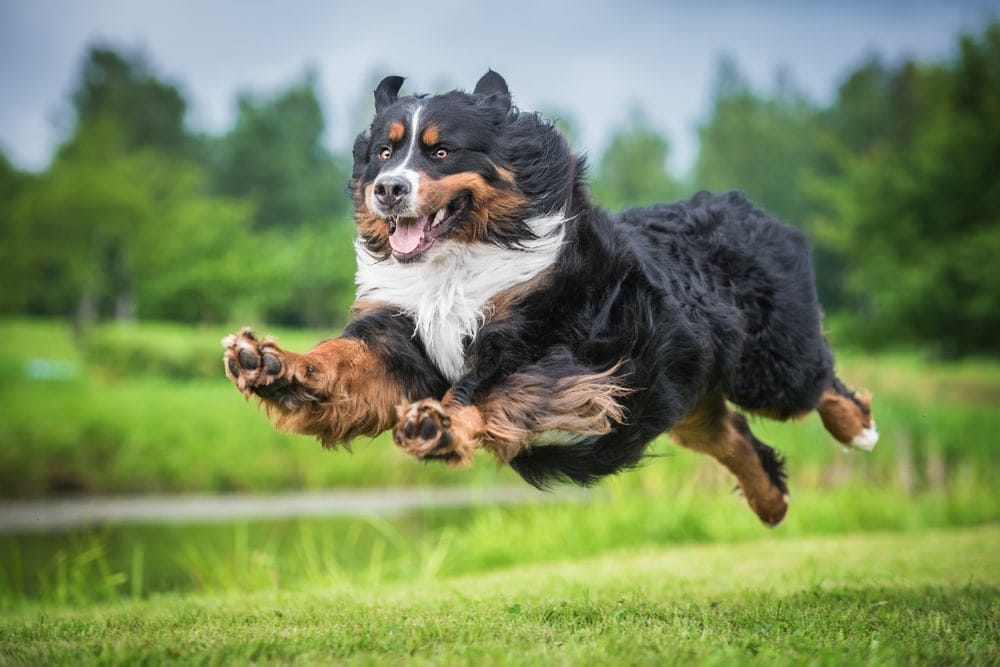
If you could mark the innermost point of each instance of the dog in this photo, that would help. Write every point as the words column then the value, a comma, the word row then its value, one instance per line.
column 499, row 308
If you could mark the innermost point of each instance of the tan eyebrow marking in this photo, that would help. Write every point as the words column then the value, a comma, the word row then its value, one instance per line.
column 432, row 134
column 396, row 131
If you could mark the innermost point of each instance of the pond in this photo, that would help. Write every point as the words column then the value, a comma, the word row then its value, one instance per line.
column 116, row 560
column 97, row 549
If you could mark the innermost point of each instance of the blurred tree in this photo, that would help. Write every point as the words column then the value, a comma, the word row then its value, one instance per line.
column 633, row 169
column 122, row 223
column 121, row 109
column 758, row 145
column 12, row 184
column 921, row 211
column 861, row 116
column 10, row 179
column 138, row 236
column 770, row 149
column 123, row 90
column 128, row 220
column 274, row 156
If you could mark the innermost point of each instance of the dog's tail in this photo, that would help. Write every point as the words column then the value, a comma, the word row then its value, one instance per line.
column 848, row 416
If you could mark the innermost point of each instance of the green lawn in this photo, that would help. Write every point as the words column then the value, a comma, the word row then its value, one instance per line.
column 928, row 597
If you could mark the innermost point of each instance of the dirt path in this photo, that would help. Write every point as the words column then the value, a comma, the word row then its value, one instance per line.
column 53, row 515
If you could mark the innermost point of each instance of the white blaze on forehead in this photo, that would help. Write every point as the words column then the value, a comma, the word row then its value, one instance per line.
column 403, row 169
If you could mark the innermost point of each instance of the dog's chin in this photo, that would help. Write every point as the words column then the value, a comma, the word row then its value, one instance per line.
column 410, row 238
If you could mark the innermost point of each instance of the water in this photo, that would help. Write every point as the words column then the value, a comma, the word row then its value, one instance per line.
column 92, row 550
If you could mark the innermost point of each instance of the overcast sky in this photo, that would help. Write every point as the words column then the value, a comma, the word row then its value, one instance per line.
column 592, row 61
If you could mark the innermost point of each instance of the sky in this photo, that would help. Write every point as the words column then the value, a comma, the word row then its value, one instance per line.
column 591, row 62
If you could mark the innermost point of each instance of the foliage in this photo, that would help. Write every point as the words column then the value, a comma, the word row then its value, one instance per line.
column 919, row 208
column 122, row 89
column 895, row 180
column 274, row 158
column 139, row 236
column 633, row 169
column 759, row 145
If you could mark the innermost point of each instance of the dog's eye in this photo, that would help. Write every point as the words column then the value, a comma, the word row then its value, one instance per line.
column 385, row 153
column 440, row 153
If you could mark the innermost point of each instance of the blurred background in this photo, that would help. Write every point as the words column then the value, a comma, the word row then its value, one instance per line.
column 172, row 171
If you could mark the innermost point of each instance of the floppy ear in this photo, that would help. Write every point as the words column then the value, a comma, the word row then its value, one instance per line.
column 387, row 92
column 492, row 86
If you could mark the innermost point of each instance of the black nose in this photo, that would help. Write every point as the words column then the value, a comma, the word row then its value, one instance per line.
column 390, row 190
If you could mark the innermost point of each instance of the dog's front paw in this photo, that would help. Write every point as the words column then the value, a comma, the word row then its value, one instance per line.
column 425, row 430
column 260, row 367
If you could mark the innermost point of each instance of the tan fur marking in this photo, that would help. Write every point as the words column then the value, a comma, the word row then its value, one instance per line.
column 514, row 413
column 373, row 231
column 710, row 428
column 487, row 201
column 505, row 174
column 842, row 417
column 365, row 306
column 361, row 397
column 396, row 131
column 466, row 430
column 777, row 416
column 505, row 304
column 527, row 405
column 431, row 135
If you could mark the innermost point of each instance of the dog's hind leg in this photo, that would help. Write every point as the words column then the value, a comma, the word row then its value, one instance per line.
column 847, row 416
column 712, row 428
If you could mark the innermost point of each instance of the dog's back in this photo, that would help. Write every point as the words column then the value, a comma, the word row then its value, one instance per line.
column 748, row 278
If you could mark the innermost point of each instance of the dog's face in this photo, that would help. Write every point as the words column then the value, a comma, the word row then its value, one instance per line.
column 438, row 170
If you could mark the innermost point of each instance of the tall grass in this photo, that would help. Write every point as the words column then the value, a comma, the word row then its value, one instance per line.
column 124, row 561
column 103, row 430
column 124, row 420
column 110, row 428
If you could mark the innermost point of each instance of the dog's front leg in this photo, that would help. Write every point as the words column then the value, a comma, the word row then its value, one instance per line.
column 505, row 416
column 338, row 390
column 439, row 430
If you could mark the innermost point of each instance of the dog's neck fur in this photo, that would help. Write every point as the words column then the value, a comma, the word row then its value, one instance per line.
column 448, row 292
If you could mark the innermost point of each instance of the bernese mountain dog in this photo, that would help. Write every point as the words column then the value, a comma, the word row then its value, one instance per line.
column 499, row 308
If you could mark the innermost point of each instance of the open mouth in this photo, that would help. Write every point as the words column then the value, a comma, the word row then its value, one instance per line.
column 411, row 237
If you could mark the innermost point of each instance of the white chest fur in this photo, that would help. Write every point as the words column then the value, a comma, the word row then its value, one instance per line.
column 448, row 291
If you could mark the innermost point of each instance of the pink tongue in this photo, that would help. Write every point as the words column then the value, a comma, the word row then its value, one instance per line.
column 408, row 235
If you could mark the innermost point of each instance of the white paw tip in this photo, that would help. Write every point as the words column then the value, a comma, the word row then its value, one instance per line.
column 866, row 440
column 228, row 341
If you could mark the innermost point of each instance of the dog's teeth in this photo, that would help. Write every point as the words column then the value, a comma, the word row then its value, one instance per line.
column 438, row 217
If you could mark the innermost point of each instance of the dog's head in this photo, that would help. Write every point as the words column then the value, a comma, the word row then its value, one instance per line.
column 454, row 168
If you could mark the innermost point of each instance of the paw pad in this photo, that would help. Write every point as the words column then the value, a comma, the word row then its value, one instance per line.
column 423, row 431
column 255, row 366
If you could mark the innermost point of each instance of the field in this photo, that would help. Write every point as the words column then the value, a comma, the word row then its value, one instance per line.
column 884, row 558
column 912, row 598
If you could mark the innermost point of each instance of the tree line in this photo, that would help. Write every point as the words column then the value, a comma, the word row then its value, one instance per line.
column 897, row 181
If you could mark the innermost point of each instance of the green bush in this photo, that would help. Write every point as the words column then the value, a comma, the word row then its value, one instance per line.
column 121, row 351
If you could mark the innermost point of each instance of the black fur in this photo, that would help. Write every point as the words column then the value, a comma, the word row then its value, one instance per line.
column 707, row 295
column 390, row 332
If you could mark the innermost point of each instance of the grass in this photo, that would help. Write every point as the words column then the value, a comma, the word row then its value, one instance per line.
column 909, row 598
column 93, row 428
column 146, row 409
column 891, row 557
column 125, row 561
